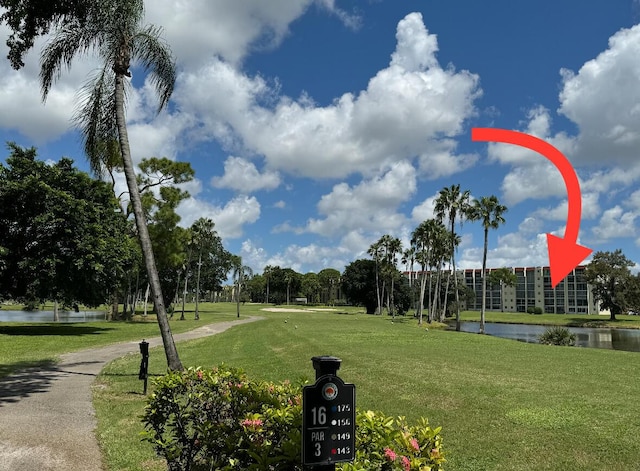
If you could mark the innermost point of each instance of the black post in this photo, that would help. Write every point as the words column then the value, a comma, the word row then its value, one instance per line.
column 325, row 365
column 144, row 363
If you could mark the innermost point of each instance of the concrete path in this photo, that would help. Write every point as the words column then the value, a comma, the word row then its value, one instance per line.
column 47, row 420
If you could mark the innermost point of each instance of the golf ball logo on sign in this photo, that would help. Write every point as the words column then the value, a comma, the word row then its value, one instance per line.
column 330, row 391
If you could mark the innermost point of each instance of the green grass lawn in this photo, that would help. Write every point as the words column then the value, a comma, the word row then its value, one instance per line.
column 31, row 344
column 503, row 405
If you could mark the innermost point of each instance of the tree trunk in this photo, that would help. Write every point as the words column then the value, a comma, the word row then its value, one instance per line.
column 171, row 353
column 267, row 300
column 430, row 310
column 455, row 276
column 184, row 294
column 288, row 286
column 198, row 286
column 383, row 297
column 423, row 285
column 114, row 306
column 56, row 315
column 484, row 279
column 436, row 293
column 393, row 308
column 137, row 294
column 177, row 295
column 238, row 294
column 126, row 297
column 146, row 300
column 446, row 293
column 379, row 309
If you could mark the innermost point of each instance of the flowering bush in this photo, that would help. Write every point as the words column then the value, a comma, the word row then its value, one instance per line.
column 219, row 420
column 384, row 443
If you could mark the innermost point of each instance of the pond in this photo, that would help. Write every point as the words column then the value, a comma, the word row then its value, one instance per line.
column 616, row 339
column 47, row 316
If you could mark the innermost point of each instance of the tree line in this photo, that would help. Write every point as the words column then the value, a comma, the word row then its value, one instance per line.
column 66, row 237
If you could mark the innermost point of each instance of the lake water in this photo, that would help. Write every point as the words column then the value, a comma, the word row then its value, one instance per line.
column 47, row 316
column 616, row 339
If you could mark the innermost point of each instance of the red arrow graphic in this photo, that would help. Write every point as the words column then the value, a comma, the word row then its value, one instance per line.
column 564, row 253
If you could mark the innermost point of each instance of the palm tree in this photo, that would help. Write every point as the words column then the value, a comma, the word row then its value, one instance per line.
column 453, row 203
column 376, row 253
column 268, row 270
column 113, row 29
column 447, row 247
column 240, row 274
column 427, row 240
column 409, row 258
column 420, row 241
column 392, row 247
column 489, row 211
column 203, row 236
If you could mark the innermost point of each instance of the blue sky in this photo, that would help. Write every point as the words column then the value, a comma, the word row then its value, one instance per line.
column 315, row 127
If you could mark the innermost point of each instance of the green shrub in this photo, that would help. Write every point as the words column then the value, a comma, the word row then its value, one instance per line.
column 557, row 336
column 220, row 420
column 537, row 310
column 30, row 305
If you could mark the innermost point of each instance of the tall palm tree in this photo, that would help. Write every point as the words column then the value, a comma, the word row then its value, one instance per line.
column 420, row 241
column 113, row 29
column 375, row 250
column 203, row 235
column 488, row 210
column 409, row 259
column 427, row 240
column 268, row 270
column 240, row 274
column 452, row 203
column 392, row 247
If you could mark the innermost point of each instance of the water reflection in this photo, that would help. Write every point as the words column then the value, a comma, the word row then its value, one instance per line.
column 616, row 339
column 47, row 316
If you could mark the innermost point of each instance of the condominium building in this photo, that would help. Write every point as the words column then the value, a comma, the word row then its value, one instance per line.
column 533, row 289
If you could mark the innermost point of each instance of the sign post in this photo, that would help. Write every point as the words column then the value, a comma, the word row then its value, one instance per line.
column 144, row 363
column 328, row 417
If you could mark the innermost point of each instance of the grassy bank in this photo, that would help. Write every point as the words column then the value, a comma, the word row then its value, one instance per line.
column 24, row 345
column 504, row 405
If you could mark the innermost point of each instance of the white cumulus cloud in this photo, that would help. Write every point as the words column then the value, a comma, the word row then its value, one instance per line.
column 411, row 109
column 243, row 176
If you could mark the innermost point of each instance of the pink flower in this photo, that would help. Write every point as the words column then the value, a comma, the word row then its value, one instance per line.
column 251, row 423
column 390, row 454
column 414, row 443
column 435, row 453
column 406, row 463
column 199, row 374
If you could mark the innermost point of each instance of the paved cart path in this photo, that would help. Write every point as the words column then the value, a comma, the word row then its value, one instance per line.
column 47, row 420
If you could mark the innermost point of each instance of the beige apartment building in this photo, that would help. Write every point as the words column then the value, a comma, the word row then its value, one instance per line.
column 533, row 289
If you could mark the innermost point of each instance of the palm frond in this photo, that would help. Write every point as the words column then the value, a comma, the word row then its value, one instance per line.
column 155, row 56
column 96, row 119
column 60, row 51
